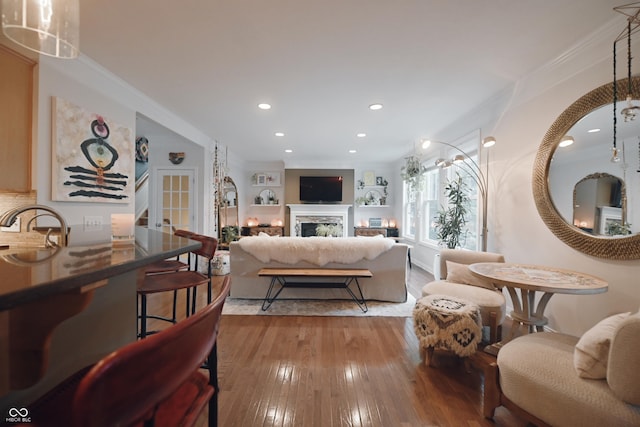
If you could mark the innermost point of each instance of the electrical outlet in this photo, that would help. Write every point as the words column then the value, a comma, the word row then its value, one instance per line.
column 15, row 227
column 92, row 223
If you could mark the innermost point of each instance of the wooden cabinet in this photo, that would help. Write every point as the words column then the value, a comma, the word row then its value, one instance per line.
column 16, row 110
column 374, row 231
column 271, row 231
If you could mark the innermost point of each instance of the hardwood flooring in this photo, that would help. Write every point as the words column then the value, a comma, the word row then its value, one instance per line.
column 340, row 371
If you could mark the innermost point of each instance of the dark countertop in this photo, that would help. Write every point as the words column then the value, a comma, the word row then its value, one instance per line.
column 29, row 274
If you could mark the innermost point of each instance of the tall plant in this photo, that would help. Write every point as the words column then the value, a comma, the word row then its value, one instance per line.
column 450, row 222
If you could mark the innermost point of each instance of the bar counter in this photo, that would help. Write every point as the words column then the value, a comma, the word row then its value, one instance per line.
column 64, row 308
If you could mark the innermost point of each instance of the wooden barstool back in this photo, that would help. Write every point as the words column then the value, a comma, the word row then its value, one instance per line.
column 174, row 281
column 156, row 381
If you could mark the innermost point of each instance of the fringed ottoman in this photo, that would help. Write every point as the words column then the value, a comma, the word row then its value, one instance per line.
column 447, row 323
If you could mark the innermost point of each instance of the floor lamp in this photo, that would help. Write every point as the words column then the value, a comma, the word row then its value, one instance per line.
column 463, row 161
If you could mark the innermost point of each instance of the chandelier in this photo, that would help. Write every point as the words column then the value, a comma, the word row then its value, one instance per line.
column 630, row 112
column 49, row 27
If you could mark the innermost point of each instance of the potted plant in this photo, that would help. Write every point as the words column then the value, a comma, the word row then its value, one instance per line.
column 412, row 172
column 450, row 222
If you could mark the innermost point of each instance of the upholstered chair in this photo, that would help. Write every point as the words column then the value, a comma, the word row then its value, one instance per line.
column 455, row 279
column 555, row 379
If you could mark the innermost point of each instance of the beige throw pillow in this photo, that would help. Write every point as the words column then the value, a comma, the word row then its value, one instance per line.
column 591, row 354
column 460, row 273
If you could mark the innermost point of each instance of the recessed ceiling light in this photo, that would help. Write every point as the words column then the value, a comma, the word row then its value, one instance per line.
column 375, row 107
column 593, row 130
column 352, row 151
column 279, row 134
column 566, row 141
column 361, row 135
column 264, row 106
column 288, row 150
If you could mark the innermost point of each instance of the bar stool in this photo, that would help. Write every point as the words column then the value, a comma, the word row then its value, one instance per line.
column 174, row 281
column 155, row 381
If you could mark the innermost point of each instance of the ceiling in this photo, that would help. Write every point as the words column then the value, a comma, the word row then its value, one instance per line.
column 321, row 64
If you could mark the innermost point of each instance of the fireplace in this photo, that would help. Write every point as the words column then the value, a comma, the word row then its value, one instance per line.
column 311, row 220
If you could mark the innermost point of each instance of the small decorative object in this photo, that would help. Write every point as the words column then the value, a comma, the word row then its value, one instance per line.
column 176, row 158
column 142, row 149
column 381, row 181
column 375, row 222
column 252, row 222
column 276, row 222
column 261, row 179
column 257, row 200
column 361, row 182
column 369, row 178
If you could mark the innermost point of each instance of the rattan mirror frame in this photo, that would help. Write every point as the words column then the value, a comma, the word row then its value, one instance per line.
column 619, row 248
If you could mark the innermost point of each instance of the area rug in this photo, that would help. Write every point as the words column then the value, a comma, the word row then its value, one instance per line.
column 237, row 306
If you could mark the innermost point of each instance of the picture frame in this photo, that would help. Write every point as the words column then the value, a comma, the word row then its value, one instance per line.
column 379, row 180
column 261, row 179
column 93, row 156
column 369, row 178
column 272, row 179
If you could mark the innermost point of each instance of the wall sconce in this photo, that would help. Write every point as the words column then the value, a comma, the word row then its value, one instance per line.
column 49, row 27
column 252, row 222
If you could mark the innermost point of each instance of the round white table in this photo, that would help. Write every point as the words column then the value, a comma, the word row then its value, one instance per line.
column 532, row 278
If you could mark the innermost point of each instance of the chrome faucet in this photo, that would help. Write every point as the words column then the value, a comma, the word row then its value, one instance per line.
column 10, row 216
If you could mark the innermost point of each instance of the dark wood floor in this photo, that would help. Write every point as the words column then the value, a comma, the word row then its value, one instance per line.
column 340, row 371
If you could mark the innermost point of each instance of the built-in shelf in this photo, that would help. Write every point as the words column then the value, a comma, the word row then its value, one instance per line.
column 266, row 205
column 374, row 206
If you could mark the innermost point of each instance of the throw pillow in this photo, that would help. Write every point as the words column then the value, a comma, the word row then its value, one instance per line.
column 591, row 353
column 460, row 273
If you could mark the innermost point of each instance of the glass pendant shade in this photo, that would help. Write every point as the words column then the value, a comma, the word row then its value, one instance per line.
column 50, row 27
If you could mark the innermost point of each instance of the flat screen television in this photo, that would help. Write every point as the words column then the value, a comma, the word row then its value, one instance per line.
column 320, row 189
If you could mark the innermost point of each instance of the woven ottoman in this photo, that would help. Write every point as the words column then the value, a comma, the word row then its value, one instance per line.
column 447, row 323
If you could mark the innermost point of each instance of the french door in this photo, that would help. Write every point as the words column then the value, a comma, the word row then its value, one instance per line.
column 175, row 200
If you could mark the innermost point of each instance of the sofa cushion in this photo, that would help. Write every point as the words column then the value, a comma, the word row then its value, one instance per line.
column 488, row 301
column 592, row 350
column 460, row 273
column 623, row 371
column 537, row 374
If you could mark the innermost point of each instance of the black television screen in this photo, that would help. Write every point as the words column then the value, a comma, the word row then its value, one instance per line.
column 318, row 189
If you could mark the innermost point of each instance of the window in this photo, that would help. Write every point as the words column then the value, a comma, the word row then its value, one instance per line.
column 430, row 205
column 422, row 206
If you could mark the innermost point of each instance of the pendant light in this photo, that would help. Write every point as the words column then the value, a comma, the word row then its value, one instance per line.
column 49, row 27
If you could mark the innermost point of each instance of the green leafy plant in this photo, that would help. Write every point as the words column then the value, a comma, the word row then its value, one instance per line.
column 329, row 230
column 412, row 172
column 229, row 234
column 614, row 228
column 450, row 222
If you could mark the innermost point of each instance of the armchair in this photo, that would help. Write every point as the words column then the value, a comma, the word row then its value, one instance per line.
column 550, row 378
column 457, row 281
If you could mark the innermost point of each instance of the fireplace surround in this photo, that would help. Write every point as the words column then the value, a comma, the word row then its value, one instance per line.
column 304, row 218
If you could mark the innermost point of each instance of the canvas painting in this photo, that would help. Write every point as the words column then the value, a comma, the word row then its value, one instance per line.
column 93, row 157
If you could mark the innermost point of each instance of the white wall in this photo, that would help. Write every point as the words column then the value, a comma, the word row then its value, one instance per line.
column 515, row 228
column 86, row 84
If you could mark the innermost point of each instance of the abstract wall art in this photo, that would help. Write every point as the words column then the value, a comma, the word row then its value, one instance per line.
column 93, row 157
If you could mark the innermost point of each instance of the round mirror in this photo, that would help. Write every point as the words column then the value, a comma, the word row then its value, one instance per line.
column 587, row 200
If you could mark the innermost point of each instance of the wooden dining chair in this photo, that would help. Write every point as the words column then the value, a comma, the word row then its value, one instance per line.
column 177, row 280
column 156, row 381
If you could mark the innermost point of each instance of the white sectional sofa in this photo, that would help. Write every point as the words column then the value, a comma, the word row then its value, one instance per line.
column 389, row 267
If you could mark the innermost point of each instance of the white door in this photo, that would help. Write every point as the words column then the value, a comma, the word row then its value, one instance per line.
column 175, row 200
